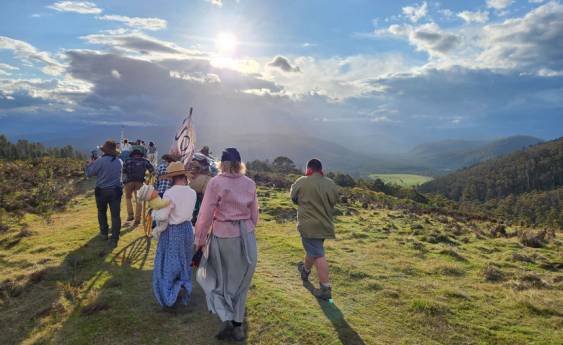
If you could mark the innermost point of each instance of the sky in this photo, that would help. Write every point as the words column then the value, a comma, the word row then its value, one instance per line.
column 377, row 75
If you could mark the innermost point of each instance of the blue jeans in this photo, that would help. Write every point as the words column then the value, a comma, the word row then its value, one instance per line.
column 109, row 197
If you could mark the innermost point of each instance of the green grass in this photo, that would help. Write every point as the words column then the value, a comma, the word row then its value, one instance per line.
column 61, row 285
column 404, row 180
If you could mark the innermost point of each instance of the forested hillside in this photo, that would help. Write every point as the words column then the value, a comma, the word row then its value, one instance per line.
column 24, row 149
column 527, row 184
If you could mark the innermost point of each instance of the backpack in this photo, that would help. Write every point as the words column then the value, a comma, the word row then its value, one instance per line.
column 136, row 170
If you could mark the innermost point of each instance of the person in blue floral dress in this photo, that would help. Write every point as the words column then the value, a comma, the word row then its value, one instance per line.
column 172, row 274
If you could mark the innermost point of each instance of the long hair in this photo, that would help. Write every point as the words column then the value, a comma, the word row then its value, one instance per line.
column 232, row 167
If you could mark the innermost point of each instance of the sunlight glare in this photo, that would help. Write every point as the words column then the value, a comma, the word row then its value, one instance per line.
column 226, row 42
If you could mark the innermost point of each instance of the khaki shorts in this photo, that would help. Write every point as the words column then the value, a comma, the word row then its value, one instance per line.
column 132, row 187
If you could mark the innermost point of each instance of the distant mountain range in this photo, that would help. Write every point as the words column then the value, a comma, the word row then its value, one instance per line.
column 433, row 158
column 449, row 155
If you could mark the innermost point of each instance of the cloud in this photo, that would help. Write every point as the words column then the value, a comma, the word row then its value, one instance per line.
column 530, row 43
column 29, row 54
column 416, row 12
column 84, row 7
column 137, row 22
column 139, row 43
column 218, row 3
column 283, row 63
column 498, row 4
column 6, row 69
column 474, row 17
column 427, row 37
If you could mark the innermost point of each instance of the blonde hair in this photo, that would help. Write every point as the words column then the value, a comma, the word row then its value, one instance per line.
column 232, row 167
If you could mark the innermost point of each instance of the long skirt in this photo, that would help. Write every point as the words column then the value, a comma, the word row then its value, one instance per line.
column 172, row 264
column 227, row 274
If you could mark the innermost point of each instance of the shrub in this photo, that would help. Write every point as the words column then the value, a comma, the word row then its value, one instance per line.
column 492, row 274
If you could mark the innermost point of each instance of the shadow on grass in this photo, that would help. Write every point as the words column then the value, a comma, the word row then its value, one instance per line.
column 134, row 253
column 38, row 297
column 346, row 334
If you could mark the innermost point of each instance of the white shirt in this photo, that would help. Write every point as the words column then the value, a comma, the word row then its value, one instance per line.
column 181, row 208
column 126, row 147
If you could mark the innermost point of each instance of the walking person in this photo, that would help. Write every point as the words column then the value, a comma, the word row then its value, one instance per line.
column 316, row 197
column 134, row 170
column 172, row 274
column 199, row 178
column 109, row 189
column 151, row 155
column 230, row 210
column 162, row 183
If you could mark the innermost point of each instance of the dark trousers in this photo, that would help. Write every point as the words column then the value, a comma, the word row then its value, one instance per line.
column 109, row 197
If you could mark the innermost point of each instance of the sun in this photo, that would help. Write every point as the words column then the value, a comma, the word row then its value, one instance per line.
column 226, row 42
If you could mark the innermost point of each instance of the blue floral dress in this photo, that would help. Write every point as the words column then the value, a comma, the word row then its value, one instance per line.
column 172, row 264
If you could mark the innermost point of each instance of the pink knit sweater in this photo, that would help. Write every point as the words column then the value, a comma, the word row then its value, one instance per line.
column 228, row 198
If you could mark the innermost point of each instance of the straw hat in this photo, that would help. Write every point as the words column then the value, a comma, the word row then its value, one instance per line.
column 109, row 148
column 175, row 169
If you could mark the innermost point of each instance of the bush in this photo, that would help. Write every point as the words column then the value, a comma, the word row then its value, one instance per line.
column 38, row 185
column 344, row 180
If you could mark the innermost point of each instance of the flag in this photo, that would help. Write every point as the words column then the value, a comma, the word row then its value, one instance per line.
column 184, row 141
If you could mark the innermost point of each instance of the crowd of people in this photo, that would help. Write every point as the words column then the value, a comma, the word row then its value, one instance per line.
column 205, row 218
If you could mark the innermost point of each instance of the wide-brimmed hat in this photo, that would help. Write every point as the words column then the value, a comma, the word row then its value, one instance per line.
column 109, row 148
column 175, row 169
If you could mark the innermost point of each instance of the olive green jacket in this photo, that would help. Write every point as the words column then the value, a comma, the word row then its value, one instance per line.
column 316, row 197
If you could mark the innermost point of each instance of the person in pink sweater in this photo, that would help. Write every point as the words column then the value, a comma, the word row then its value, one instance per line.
column 225, row 230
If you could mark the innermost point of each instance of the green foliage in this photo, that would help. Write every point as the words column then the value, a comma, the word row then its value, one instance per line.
column 526, row 186
column 38, row 185
column 283, row 164
column 24, row 149
column 343, row 180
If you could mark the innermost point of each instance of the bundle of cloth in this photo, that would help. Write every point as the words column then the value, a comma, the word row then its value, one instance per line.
column 149, row 194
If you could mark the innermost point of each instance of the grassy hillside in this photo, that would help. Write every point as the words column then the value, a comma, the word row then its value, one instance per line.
column 403, row 180
column 398, row 277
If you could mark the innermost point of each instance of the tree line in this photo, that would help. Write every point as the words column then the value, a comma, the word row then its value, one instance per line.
column 540, row 168
column 24, row 149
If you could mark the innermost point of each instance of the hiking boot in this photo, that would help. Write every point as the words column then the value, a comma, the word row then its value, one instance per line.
column 103, row 236
column 238, row 333
column 113, row 242
column 324, row 293
column 130, row 218
column 137, row 222
column 226, row 331
column 303, row 271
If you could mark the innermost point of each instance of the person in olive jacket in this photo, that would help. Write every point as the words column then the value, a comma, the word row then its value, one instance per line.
column 316, row 197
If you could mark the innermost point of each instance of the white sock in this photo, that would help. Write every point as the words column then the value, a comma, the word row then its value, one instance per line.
column 326, row 285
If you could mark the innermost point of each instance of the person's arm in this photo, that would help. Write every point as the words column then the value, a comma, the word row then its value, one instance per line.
column 294, row 192
column 149, row 166
column 93, row 167
column 205, row 217
column 333, row 195
column 254, row 212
